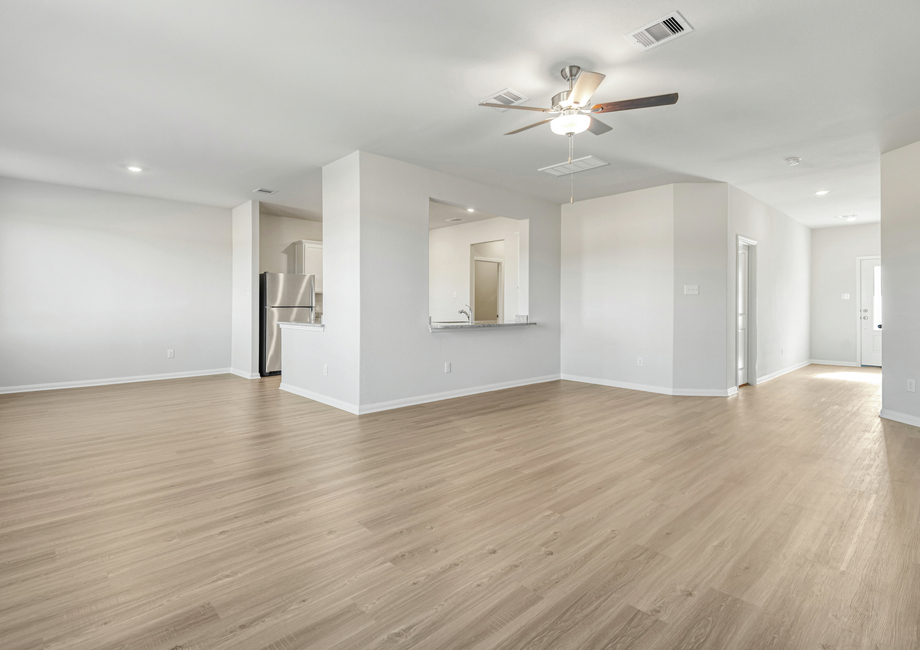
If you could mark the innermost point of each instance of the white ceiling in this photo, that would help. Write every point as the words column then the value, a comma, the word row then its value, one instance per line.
column 439, row 213
column 217, row 98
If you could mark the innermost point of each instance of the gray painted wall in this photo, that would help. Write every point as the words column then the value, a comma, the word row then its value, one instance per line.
column 97, row 286
column 783, row 271
column 835, row 272
column 901, row 282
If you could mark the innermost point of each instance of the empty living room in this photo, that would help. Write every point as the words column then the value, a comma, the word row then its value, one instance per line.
column 484, row 326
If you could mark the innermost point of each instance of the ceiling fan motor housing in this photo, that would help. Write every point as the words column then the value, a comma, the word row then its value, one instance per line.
column 558, row 98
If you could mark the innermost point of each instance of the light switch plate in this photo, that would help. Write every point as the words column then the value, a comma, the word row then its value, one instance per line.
column 691, row 289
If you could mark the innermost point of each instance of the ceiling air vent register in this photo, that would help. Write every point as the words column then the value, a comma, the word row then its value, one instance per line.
column 577, row 165
column 662, row 30
column 507, row 97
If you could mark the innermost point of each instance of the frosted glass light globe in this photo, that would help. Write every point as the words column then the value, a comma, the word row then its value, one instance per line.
column 573, row 122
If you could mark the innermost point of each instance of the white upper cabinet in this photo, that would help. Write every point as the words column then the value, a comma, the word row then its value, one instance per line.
column 308, row 260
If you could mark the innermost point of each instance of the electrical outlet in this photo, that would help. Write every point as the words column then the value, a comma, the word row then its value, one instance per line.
column 639, row 361
column 455, row 294
column 845, row 296
column 325, row 370
column 170, row 354
column 691, row 289
column 782, row 352
column 447, row 366
column 911, row 386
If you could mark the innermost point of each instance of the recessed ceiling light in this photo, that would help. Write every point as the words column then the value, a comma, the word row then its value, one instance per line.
column 470, row 210
column 135, row 169
column 792, row 162
column 847, row 217
column 454, row 219
column 822, row 192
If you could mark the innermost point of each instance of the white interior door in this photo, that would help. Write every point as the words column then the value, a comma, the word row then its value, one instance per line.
column 741, row 337
column 870, row 311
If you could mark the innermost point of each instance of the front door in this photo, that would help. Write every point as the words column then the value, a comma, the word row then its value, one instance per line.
column 870, row 311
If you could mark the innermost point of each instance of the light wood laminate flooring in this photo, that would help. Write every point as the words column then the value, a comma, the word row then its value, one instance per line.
column 222, row 513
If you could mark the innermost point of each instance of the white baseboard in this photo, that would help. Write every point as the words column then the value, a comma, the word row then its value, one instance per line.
column 110, row 381
column 822, row 362
column 364, row 409
column 780, row 373
column 322, row 399
column 451, row 394
column 244, row 374
column 903, row 418
column 660, row 390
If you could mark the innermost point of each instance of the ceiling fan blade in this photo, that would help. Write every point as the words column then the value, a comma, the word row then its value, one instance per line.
column 597, row 127
column 584, row 88
column 630, row 104
column 519, row 108
column 524, row 128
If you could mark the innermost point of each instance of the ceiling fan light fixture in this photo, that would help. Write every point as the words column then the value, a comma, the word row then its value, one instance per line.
column 570, row 123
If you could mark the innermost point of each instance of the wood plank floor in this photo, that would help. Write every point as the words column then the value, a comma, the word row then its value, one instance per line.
column 222, row 513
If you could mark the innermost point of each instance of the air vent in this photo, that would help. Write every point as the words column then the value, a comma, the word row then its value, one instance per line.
column 577, row 165
column 507, row 97
column 660, row 31
column 262, row 190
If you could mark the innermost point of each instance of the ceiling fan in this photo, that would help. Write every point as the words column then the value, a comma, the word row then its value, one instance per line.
column 571, row 111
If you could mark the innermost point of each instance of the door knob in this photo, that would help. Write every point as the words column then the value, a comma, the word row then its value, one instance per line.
column 880, row 326
column 865, row 318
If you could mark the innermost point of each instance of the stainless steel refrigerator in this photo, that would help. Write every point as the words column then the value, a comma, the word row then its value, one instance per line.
column 284, row 297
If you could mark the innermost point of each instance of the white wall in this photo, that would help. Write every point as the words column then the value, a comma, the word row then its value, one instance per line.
column 618, row 289
column 276, row 234
column 625, row 262
column 96, row 286
column 244, row 348
column 834, row 272
column 449, row 268
column 900, row 238
column 700, row 325
column 401, row 362
column 783, row 285
column 339, row 346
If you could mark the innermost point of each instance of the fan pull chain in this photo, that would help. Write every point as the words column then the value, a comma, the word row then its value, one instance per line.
column 572, row 173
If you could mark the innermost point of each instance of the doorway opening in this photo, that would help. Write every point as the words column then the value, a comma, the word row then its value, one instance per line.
column 487, row 290
column 870, row 312
column 745, row 327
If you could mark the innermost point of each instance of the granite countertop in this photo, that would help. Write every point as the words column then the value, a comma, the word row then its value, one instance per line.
column 440, row 327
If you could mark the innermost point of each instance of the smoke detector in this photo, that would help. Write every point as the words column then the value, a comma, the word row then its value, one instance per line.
column 507, row 97
column 661, row 31
column 793, row 161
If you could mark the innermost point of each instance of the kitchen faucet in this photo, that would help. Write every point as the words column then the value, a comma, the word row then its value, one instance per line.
column 466, row 313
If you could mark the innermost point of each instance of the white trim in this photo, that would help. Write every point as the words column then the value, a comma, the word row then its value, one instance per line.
column 822, row 362
column 451, row 394
column 705, row 392
column 903, row 418
column 322, row 399
column 244, row 374
column 660, row 390
column 746, row 240
column 780, row 373
column 412, row 401
column 4, row 390
column 859, row 341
